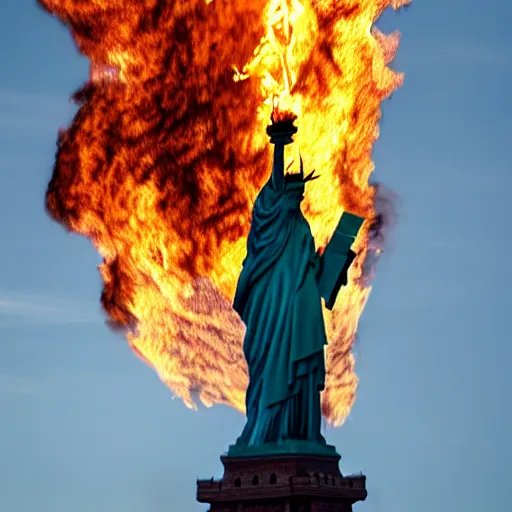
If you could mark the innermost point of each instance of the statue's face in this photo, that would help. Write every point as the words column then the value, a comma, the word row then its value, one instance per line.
column 295, row 189
column 293, row 177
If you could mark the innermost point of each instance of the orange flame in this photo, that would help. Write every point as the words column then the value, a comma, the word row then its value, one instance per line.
column 164, row 158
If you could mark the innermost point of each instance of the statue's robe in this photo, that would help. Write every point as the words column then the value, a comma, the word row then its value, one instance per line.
column 278, row 299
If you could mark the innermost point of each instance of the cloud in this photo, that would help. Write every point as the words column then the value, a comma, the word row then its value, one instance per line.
column 42, row 309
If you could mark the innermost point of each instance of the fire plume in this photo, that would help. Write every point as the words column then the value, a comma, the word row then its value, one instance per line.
column 168, row 150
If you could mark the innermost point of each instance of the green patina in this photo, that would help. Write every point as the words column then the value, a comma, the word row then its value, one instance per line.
column 278, row 298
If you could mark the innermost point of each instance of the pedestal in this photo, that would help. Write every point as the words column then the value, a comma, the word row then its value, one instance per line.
column 282, row 483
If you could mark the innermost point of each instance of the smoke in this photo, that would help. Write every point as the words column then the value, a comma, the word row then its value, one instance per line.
column 380, row 230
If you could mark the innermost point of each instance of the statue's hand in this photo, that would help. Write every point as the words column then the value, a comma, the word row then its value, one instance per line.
column 281, row 132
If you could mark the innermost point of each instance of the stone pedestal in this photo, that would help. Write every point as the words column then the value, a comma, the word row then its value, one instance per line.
column 282, row 483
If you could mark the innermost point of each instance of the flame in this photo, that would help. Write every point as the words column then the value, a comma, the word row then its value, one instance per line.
column 168, row 149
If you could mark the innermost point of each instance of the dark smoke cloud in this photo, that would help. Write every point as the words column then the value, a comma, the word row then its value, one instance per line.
column 381, row 228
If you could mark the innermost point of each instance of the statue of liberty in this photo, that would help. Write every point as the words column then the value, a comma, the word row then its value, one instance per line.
column 278, row 297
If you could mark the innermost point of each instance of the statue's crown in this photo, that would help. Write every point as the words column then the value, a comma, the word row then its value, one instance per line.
column 299, row 176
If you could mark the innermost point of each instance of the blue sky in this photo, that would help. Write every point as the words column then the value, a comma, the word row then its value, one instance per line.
column 87, row 426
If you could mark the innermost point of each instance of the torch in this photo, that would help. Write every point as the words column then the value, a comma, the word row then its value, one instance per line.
column 281, row 129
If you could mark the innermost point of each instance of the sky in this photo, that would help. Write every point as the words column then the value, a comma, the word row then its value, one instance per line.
column 88, row 426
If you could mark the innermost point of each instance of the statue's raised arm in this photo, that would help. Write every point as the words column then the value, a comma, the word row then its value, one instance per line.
column 280, row 135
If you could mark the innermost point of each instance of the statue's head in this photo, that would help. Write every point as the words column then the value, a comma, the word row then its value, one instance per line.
column 295, row 183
